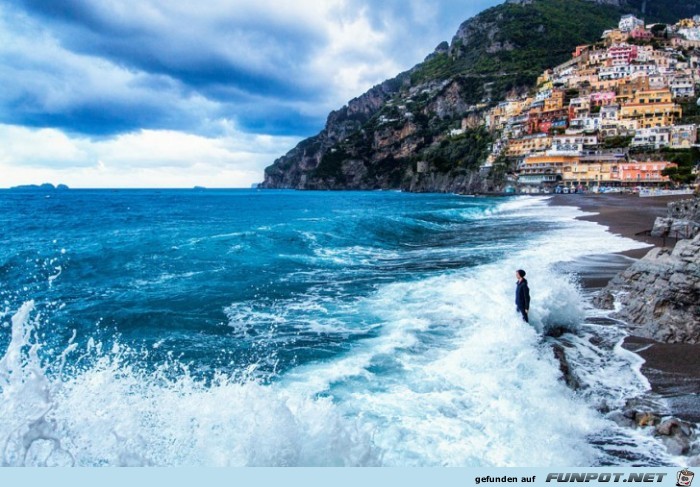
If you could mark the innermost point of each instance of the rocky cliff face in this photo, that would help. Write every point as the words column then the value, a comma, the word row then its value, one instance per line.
column 659, row 296
column 296, row 168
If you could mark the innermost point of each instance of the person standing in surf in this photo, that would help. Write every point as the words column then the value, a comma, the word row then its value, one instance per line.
column 522, row 295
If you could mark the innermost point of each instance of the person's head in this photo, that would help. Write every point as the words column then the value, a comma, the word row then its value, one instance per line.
column 520, row 274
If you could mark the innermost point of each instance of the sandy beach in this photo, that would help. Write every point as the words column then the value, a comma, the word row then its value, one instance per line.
column 624, row 214
column 672, row 369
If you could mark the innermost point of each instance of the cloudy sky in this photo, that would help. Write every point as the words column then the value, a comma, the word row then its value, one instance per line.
column 175, row 93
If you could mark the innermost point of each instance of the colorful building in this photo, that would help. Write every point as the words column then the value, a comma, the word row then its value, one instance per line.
column 683, row 136
column 641, row 34
column 603, row 98
column 627, row 88
column 637, row 173
column 555, row 101
column 579, row 107
column 622, row 54
column 652, row 108
column 615, row 36
column 545, row 170
column 596, row 168
column 528, row 145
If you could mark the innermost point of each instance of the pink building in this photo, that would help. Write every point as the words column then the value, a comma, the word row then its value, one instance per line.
column 603, row 98
column 622, row 54
column 641, row 34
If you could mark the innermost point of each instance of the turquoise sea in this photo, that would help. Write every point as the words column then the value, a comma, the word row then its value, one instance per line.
column 250, row 327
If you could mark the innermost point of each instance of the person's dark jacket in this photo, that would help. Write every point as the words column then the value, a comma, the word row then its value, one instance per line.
column 522, row 295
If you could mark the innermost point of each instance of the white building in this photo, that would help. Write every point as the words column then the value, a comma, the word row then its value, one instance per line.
column 691, row 34
column 543, row 95
column 658, row 81
column 580, row 107
column 572, row 144
column 591, row 124
column 682, row 87
column 644, row 69
column 645, row 53
column 629, row 22
column 576, row 125
column 656, row 137
column 598, row 56
column 614, row 72
column 610, row 112
column 610, row 121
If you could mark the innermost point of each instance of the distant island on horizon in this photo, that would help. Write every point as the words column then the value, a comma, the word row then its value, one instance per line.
column 40, row 187
column 64, row 187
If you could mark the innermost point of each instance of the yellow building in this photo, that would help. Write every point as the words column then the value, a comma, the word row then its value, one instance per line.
column 601, row 85
column 593, row 172
column 615, row 36
column 545, row 77
column 500, row 114
column 652, row 108
column 627, row 89
column 528, row 145
column 545, row 169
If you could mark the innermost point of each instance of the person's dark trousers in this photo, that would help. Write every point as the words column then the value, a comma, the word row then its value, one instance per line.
column 522, row 312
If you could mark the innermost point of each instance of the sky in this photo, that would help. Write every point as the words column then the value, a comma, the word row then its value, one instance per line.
column 175, row 93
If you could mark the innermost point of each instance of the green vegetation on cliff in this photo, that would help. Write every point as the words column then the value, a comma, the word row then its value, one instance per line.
column 463, row 152
column 685, row 160
column 510, row 45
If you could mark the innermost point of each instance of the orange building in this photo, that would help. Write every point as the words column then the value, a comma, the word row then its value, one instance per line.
column 615, row 36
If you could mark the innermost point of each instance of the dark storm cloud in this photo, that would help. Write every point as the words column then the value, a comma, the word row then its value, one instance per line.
column 200, row 52
column 102, row 68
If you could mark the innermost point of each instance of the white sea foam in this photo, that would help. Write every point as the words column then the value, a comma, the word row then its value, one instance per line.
column 456, row 378
column 112, row 413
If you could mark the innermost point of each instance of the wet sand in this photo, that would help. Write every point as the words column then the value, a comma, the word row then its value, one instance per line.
column 672, row 369
column 624, row 214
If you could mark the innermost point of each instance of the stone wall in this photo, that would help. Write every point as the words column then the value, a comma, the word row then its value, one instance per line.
column 683, row 220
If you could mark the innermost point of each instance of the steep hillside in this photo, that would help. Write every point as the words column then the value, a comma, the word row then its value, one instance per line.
column 403, row 132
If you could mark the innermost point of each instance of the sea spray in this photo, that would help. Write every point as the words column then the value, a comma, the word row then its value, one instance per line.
column 109, row 411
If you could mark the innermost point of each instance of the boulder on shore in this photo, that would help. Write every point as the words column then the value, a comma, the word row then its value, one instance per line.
column 659, row 295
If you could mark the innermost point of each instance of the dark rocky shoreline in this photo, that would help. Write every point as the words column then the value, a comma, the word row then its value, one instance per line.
column 657, row 288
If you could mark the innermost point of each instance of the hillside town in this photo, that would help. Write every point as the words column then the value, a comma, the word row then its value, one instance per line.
column 607, row 119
